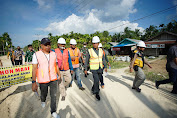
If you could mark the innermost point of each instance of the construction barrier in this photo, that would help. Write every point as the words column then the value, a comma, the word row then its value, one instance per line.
column 14, row 75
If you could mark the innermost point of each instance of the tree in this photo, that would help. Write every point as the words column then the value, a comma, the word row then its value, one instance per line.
column 5, row 42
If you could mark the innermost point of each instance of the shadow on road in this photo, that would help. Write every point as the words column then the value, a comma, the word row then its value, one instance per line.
column 149, row 102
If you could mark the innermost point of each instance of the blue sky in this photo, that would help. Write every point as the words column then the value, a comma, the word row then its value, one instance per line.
column 23, row 19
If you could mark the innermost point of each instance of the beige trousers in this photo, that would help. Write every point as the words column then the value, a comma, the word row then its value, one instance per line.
column 65, row 80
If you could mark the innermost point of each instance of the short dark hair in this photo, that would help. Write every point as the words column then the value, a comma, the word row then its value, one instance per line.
column 29, row 45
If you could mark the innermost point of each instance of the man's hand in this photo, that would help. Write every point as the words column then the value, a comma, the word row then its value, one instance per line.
column 72, row 71
column 109, row 64
column 73, row 58
column 83, row 62
column 150, row 66
column 106, row 70
column 34, row 87
column 131, row 70
column 85, row 72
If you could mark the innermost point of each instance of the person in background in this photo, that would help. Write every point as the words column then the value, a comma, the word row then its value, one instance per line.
column 1, row 63
column 96, row 60
column 65, row 66
column 84, row 50
column 171, row 67
column 46, row 70
column 75, row 55
column 18, row 56
column 101, row 80
column 11, row 54
column 29, row 55
column 137, row 64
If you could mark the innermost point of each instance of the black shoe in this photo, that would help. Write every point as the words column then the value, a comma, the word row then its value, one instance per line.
column 75, row 78
column 156, row 84
column 138, row 90
column 70, row 85
column 63, row 98
column 97, row 97
column 133, row 88
column 173, row 92
column 82, row 88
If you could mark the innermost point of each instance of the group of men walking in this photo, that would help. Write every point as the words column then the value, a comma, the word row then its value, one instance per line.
column 16, row 56
column 60, row 65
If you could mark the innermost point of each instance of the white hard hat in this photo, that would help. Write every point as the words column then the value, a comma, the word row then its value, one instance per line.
column 141, row 44
column 61, row 41
column 100, row 45
column 73, row 42
column 95, row 39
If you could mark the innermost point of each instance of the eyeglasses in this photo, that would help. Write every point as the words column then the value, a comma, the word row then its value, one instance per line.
column 47, row 44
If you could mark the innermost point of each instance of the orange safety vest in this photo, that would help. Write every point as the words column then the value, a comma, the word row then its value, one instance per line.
column 75, row 54
column 104, row 55
column 47, row 70
column 63, row 63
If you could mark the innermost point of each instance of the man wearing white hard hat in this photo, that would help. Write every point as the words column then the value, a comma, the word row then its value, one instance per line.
column 65, row 66
column 101, row 80
column 96, row 60
column 75, row 55
column 137, row 64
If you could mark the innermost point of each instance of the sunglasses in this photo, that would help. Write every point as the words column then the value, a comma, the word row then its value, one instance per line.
column 47, row 44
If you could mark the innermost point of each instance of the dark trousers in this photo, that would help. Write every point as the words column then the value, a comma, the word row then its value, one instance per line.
column 18, row 62
column 97, row 75
column 101, row 80
column 172, row 79
column 12, row 61
column 53, row 92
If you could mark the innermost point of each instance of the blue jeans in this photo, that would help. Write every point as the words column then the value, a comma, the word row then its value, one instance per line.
column 76, row 71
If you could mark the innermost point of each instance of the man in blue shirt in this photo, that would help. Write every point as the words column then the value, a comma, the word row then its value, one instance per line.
column 65, row 66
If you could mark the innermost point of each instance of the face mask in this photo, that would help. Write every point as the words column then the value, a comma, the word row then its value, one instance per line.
column 84, row 46
column 62, row 48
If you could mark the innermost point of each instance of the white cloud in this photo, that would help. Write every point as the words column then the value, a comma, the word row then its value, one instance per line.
column 86, row 25
column 109, row 10
column 45, row 4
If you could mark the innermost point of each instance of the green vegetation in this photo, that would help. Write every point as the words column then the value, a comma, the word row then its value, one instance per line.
column 117, row 64
column 6, row 43
column 152, row 76
column 105, row 37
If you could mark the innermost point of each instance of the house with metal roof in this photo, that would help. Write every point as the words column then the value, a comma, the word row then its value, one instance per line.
column 160, row 44
column 125, row 46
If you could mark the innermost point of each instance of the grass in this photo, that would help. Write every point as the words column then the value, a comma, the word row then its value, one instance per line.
column 152, row 76
column 116, row 64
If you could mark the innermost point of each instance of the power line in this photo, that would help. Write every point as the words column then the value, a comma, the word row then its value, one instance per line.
column 165, row 10
column 85, row 4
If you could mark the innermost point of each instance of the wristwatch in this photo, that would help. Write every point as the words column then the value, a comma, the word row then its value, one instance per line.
column 33, row 81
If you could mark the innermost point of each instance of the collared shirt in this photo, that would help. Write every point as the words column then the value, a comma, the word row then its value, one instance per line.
column 84, row 51
column 18, row 54
column 172, row 54
column 88, row 58
column 29, row 56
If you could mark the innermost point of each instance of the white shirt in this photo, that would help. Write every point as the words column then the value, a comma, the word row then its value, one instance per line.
column 34, row 60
